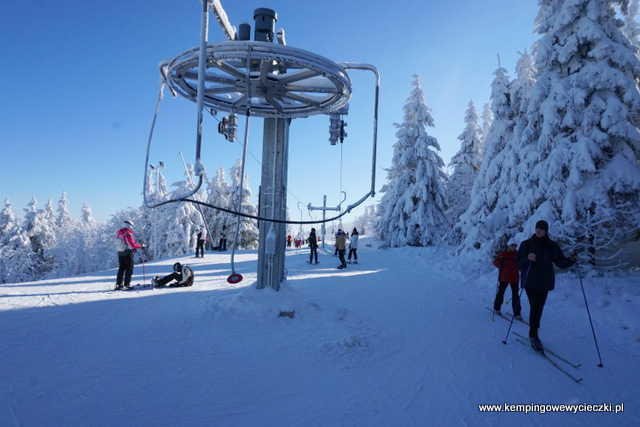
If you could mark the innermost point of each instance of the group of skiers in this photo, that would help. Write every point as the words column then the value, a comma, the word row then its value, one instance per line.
column 533, row 262
column 340, row 247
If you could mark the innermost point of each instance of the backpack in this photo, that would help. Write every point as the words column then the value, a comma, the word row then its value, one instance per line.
column 187, row 277
column 121, row 246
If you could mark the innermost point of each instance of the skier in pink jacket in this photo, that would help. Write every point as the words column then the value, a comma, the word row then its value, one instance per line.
column 126, row 246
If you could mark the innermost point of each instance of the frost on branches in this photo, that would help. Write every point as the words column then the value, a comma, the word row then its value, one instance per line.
column 412, row 210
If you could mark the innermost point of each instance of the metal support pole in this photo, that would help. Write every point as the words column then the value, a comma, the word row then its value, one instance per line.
column 273, row 201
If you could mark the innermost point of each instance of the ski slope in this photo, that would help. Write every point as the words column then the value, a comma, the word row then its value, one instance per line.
column 401, row 339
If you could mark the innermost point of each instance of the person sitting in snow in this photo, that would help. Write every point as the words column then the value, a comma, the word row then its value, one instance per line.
column 508, row 275
column 182, row 276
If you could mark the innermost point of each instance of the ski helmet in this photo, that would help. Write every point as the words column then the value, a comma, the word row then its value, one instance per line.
column 177, row 267
column 129, row 223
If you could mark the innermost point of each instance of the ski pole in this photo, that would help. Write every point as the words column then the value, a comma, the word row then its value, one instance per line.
column 493, row 313
column 524, row 282
column 144, row 276
column 589, row 314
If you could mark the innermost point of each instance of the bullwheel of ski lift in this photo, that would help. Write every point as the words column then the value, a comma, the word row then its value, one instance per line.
column 234, row 278
column 285, row 82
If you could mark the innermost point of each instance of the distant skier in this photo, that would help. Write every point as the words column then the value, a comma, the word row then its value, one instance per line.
column 201, row 235
column 341, row 246
column 126, row 246
column 313, row 244
column 182, row 276
column 508, row 275
column 353, row 246
column 535, row 259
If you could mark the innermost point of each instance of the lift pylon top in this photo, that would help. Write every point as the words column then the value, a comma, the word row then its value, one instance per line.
column 285, row 82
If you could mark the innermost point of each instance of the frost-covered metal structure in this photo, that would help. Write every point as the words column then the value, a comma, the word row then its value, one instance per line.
column 262, row 79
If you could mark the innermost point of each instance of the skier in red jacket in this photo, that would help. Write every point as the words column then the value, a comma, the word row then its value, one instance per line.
column 508, row 276
column 125, row 246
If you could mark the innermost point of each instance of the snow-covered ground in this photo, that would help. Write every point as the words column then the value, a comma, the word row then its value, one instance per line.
column 401, row 339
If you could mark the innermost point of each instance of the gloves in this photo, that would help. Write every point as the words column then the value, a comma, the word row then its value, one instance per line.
column 143, row 246
column 532, row 257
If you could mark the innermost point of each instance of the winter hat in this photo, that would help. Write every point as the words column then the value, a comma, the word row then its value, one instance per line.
column 542, row 225
column 512, row 241
column 129, row 223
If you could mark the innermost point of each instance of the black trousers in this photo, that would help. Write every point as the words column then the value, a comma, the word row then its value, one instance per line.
column 341, row 256
column 200, row 247
column 537, row 300
column 168, row 278
column 355, row 254
column 314, row 252
column 515, row 298
column 125, row 267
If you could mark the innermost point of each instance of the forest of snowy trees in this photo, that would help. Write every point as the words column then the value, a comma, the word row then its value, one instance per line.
column 563, row 145
column 49, row 243
column 559, row 141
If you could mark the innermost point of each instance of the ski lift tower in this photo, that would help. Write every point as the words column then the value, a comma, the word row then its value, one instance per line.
column 262, row 78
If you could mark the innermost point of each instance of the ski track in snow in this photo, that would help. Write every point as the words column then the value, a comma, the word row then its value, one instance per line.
column 400, row 339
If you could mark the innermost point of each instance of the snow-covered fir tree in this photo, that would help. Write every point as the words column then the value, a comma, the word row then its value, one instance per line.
column 180, row 222
column 87, row 218
column 366, row 222
column 217, row 195
column 479, row 223
column 414, row 202
column 581, row 145
column 466, row 165
column 17, row 259
column 157, row 192
column 487, row 119
column 64, row 220
column 248, row 234
column 486, row 225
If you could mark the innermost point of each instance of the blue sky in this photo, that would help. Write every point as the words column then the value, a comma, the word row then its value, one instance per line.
column 81, row 82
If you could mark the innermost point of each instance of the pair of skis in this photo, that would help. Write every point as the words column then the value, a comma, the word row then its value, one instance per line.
column 525, row 341
column 507, row 317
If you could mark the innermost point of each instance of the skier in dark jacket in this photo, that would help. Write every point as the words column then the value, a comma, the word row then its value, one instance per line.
column 313, row 244
column 508, row 276
column 535, row 259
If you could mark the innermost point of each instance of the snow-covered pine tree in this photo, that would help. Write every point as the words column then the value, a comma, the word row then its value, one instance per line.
column 414, row 202
column 631, row 25
column 482, row 222
column 217, row 195
column 180, row 222
column 17, row 259
column 466, row 165
column 248, row 234
column 582, row 144
column 487, row 119
column 157, row 192
column 64, row 220
column 366, row 222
